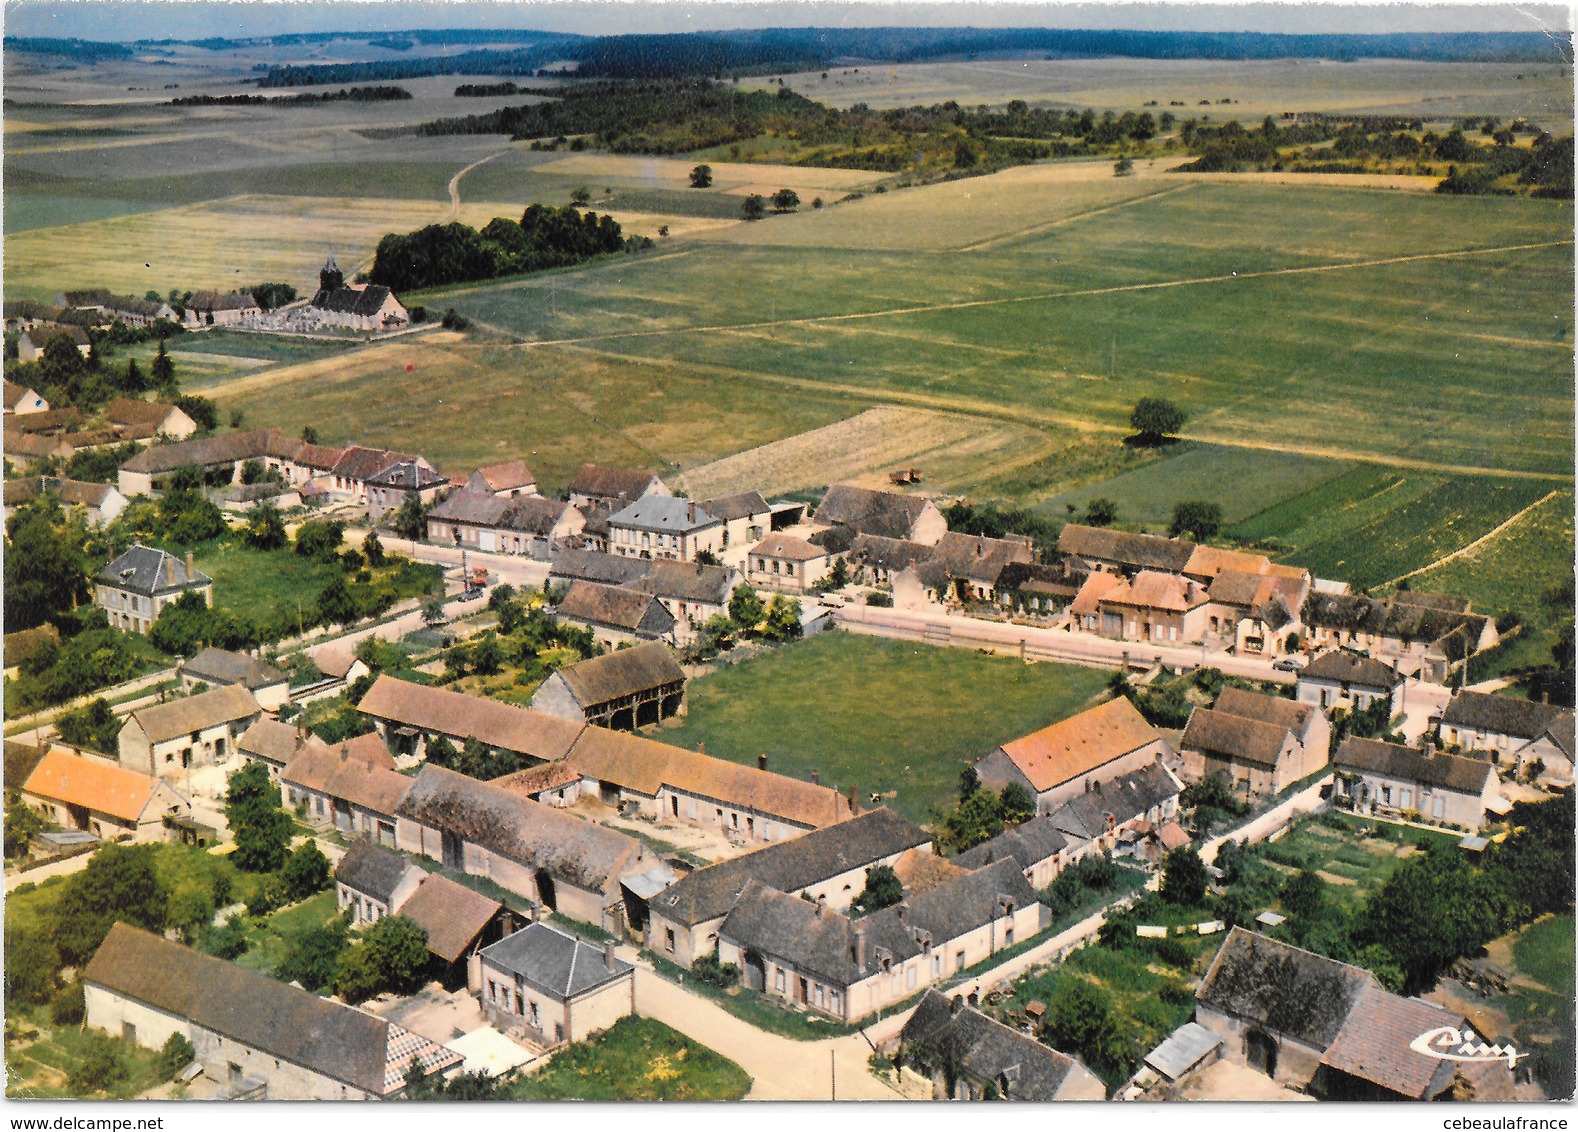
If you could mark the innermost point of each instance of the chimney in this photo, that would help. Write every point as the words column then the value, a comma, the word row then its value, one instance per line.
column 902, row 910
column 860, row 945
column 956, row 1004
column 191, row 567
column 761, row 761
column 853, row 805
column 608, row 954
column 1430, row 748
column 169, row 570
column 690, row 512
column 816, row 778
column 821, row 904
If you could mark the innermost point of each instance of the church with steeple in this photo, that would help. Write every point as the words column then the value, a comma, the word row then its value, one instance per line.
column 361, row 306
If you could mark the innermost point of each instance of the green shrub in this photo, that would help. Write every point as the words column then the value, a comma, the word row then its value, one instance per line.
column 68, row 1008
column 709, row 969
column 176, row 1055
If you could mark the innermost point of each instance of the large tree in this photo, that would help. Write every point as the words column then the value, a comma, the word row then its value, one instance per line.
column 120, row 883
column 46, row 572
column 392, row 955
column 746, row 609
column 701, row 177
column 1184, row 879
column 883, row 890
column 260, row 829
column 1156, row 419
column 1197, row 518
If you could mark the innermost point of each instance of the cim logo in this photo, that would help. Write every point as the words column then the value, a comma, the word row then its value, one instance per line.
column 1452, row 1044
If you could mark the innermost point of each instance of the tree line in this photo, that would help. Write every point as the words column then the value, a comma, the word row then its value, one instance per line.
column 544, row 237
column 351, row 94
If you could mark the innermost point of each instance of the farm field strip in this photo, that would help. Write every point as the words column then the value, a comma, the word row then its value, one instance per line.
column 1477, row 543
column 1516, row 568
column 1038, row 229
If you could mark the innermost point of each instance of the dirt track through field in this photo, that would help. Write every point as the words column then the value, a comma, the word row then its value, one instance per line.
column 1480, row 541
column 1037, row 229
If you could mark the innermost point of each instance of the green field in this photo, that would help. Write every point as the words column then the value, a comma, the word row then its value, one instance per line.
column 1353, row 867
column 1544, row 952
column 878, row 717
column 636, row 1059
column 37, row 1065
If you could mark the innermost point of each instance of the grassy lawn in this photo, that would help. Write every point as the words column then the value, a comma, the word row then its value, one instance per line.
column 878, row 716
column 1544, row 952
column 40, row 1061
column 268, row 942
column 636, row 1059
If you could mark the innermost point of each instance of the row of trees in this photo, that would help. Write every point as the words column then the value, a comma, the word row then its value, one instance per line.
column 544, row 237
column 748, row 618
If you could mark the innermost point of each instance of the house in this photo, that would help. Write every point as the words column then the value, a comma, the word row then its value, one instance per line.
column 1126, row 816
column 212, row 667
column 30, row 345
column 511, row 479
column 1259, row 743
column 210, row 308
column 406, row 478
column 94, row 795
column 100, row 502
column 340, row 665
column 357, row 465
column 504, row 524
column 748, row 805
column 786, row 563
column 1349, row 681
column 551, row 858
column 149, row 469
column 615, row 615
column 571, row 565
column 594, row 535
column 135, row 588
column 875, row 560
column 1154, row 607
column 1034, row 588
column 1039, row 847
column 969, row 1056
column 746, row 517
column 1066, row 759
column 24, row 314
column 552, row 784
column 362, row 306
column 888, row 514
column 1517, row 733
column 597, row 485
column 828, row 863
column 630, row 688
column 1384, row 778
column 354, row 789
column 254, row 1036
column 24, row 644
column 1257, row 613
column 372, row 882
column 408, row 716
column 662, row 526
column 1088, row 550
column 555, row 986
column 691, row 591
column 25, row 450
column 1329, row 1028
column 201, row 730
column 20, row 400
column 157, row 418
column 823, row 961
column 270, row 742
column 969, row 565
column 1430, row 635
column 460, row 922
column 137, row 312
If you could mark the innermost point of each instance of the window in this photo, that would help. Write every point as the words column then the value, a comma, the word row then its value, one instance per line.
column 958, row 961
column 534, row 1015
column 789, row 568
column 668, row 939
column 816, row 994
column 1438, row 805
column 832, row 1000
column 778, row 978
column 909, row 976
column 936, row 965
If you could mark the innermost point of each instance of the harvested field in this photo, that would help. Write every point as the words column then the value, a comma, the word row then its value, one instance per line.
column 633, row 223
column 731, row 177
column 865, row 447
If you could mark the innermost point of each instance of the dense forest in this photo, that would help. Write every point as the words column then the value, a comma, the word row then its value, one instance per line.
column 457, row 253
column 352, row 94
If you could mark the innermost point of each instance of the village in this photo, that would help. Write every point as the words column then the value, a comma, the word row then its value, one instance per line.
column 552, row 867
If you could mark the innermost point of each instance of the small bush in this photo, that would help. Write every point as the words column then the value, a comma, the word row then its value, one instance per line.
column 67, row 1008
column 176, row 1055
column 709, row 969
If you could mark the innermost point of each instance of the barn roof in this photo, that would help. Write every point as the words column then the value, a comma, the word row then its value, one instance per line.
column 688, row 581
column 1409, row 764
column 624, row 672
column 1501, row 715
column 986, row 1049
column 499, row 725
column 508, row 476
column 452, row 915
column 1136, row 551
column 616, row 607
column 193, row 713
column 1283, row 988
column 612, row 483
column 886, row 513
column 1219, row 733
column 1294, row 715
column 594, row 566
column 1082, row 743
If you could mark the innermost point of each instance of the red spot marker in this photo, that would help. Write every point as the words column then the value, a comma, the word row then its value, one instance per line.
column 410, row 368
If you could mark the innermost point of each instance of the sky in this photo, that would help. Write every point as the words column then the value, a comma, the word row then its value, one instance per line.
column 197, row 19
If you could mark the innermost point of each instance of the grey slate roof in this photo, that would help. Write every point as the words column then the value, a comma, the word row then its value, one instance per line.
column 885, row 513
column 1125, row 798
column 593, row 566
column 1291, row 714
column 1028, row 844
column 1342, row 665
column 622, row 673
column 518, row 829
column 687, row 581
column 984, row 1048
column 1136, row 551
column 219, row 666
column 617, row 608
column 1409, row 764
column 144, row 570
column 372, row 870
column 1501, row 715
column 1284, row 988
column 409, row 475
column 955, row 907
column 349, row 300
column 554, row 961
column 666, row 514
column 790, row 866
column 339, row 1042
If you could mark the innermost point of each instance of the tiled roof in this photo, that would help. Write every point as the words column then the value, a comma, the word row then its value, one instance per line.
column 218, row 666
column 1350, row 667
column 1409, row 764
column 646, row 767
column 319, row 457
column 21, row 759
column 214, row 301
column 617, row 608
column 688, row 581
column 523, row 831
column 1375, row 1044
column 533, row 514
column 145, row 570
column 1294, row 715
column 131, row 411
column 1500, row 715
column 1084, row 817
column 1079, row 744
column 979, row 558
column 1138, row 552
column 183, row 716
column 452, row 915
column 920, row 870
column 593, row 566
column 790, row 866
column 370, row 749
column 885, row 513
column 534, row 780
column 339, row 1042
column 1283, row 988
column 269, row 739
column 14, row 392
column 477, row 508
column 508, row 476
column 892, row 554
column 1218, row 733
column 373, row 870
column 210, row 450
column 22, row 644
column 739, row 506
column 499, row 725
column 1152, row 589
column 1211, row 561
column 358, row 463
column 1405, row 616
column 339, row 773
column 64, row 777
column 986, row 1049
column 408, row 475
column 623, row 672
column 812, row 939
column 554, row 961
column 612, row 483
column 1097, row 586
column 666, row 514
column 1028, row 844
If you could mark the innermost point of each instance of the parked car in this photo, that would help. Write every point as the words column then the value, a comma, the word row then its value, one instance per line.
column 1287, row 664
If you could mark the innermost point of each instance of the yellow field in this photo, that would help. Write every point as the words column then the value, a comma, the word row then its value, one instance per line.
column 731, row 177
column 225, row 243
column 949, row 450
column 632, row 223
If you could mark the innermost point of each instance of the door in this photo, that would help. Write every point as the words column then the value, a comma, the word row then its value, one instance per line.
column 800, row 991
column 454, row 852
column 1261, row 1053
